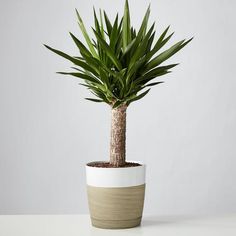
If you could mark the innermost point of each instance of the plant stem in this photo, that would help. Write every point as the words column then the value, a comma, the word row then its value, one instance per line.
column 118, row 136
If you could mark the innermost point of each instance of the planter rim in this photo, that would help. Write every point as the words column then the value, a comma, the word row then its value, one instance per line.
column 128, row 167
column 115, row 177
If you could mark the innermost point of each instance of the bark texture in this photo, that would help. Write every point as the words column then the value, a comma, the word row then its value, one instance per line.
column 118, row 136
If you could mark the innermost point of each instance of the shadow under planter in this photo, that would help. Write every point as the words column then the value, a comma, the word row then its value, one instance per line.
column 116, row 196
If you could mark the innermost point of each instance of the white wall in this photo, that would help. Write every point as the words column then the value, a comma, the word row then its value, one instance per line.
column 184, row 129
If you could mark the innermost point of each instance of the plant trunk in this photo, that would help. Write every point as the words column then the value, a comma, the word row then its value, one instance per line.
column 118, row 136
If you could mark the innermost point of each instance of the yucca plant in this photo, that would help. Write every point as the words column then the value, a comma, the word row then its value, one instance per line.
column 119, row 67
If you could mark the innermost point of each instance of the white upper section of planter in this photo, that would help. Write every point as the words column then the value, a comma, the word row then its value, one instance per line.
column 115, row 177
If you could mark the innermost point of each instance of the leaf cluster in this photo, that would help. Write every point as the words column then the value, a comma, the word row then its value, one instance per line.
column 119, row 64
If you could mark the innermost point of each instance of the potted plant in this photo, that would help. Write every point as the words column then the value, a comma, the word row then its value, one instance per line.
column 119, row 67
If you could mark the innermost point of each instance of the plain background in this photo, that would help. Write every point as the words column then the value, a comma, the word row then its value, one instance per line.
column 184, row 130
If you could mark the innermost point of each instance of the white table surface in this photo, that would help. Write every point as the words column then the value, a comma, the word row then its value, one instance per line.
column 79, row 225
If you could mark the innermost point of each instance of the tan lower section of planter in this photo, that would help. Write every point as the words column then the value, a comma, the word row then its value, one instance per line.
column 116, row 208
column 116, row 224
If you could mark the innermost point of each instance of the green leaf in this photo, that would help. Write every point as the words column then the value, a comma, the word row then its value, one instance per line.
column 139, row 96
column 119, row 77
column 153, row 84
column 82, row 76
column 133, row 33
column 128, row 49
column 142, row 31
column 114, row 34
column 108, row 51
column 143, row 80
column 104, row 77
column 149, row 43
column 118, row 48
column 160, row 43
column 94, row 100
column 141, row 48
column 152, row 74
column 77, row 69
column 161, row 38
column 82, row 48
column 126, row 26
column 166, row 54
column 72, row 59
column 143, row 27
column 86, row 36
column 96, row 23
column 156, row 71
column 101, row 24
column 100, row 94
column 108, row 23
column 98, row 30
column 134, row 69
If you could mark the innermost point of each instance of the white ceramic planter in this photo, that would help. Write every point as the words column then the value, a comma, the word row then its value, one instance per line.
column 116, row 196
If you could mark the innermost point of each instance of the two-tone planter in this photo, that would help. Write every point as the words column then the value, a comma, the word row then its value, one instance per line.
column 115, row 196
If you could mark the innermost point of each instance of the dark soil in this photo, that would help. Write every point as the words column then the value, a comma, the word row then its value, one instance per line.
column 104, row 164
